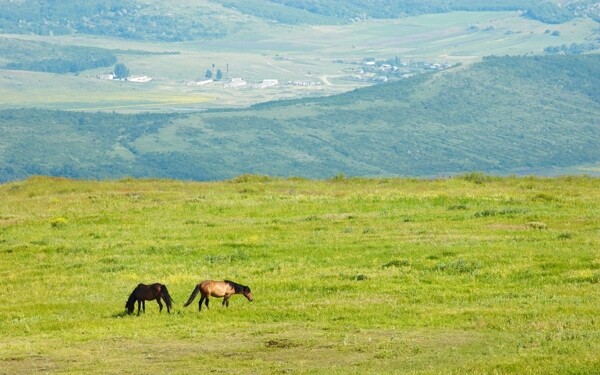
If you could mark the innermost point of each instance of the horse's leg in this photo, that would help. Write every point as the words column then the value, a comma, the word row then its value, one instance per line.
column 226, row 301
column 206, row 302
column 144, row 305
column 139, row 304
column 159, row 304
column 200, row 303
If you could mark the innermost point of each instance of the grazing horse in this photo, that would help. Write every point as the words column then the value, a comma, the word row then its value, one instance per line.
column 151, row 292
column 220, row 289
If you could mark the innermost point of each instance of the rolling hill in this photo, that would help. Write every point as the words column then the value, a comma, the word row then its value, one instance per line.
column 504, row 115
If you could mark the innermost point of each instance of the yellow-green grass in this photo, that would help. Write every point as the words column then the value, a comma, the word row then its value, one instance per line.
column 288, row 53
column 474, row 274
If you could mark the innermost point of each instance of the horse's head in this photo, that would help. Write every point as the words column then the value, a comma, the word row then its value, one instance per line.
column 129, row 307
column 248, row 294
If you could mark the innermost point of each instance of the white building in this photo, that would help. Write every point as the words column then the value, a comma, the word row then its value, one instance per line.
column 236, row 82
column 200, row 83
column 107, row 76
column 268, row 83
column 138, row 79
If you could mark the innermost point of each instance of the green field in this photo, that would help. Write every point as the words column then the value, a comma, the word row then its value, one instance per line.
column 474, row 274
column 326, row 54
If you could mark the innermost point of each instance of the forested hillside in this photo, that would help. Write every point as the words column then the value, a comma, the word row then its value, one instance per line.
column 22, row 54
column 545, row 11
column 504, row 115
column 51, row 58
column 132, row 19
column 204, row 19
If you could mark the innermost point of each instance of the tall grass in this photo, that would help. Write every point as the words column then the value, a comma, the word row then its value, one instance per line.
column 349, row 275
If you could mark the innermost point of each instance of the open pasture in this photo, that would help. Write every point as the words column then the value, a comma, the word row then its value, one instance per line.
column 327, row 55
column 473, row 274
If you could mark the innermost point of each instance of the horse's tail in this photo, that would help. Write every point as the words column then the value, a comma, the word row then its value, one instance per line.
column 166, row 296
column 193, row 295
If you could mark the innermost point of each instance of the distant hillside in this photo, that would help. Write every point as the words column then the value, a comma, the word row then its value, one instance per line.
column 171, row 20
column 52, row 58
column 21, row 54
column 131, row 19
column 504, row 115
column 546, row 11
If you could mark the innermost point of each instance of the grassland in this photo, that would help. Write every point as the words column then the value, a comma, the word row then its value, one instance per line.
column 474, row 274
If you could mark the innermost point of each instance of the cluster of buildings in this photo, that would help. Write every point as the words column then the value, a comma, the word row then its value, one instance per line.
column 369, row 70
column 237, row 82
column 382, row 71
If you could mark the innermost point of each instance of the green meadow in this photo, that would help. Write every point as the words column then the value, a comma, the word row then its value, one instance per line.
column 473, row 274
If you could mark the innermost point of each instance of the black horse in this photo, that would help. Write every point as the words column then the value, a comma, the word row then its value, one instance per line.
column 144, row 292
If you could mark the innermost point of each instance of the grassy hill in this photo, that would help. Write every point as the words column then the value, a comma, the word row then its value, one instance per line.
column 504, row 115
column 466, row 275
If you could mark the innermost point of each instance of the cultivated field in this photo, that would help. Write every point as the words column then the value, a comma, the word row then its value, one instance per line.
column 327, row 55
column 473, row 274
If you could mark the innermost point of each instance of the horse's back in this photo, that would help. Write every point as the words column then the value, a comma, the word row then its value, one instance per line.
column 140, row 288
column 207, row 285
column 214, row 288
column 148, row 291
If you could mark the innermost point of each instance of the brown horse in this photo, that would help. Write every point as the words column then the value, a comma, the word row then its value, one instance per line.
column 151, row 292
column 220, row 289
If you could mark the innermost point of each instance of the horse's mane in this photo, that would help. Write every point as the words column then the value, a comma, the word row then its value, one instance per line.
column 131, row 301
column 239, row 288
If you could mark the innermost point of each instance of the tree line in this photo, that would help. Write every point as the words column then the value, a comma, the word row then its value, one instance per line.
column 25, row 55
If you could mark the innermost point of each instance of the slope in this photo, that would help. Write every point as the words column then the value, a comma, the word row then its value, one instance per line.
column 504, row 115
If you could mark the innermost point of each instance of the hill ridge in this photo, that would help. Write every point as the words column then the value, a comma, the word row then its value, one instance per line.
column 504, row 115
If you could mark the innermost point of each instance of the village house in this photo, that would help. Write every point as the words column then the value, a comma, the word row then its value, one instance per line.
column 267, row 83
column 138, row 79
column 199, row 83
column 236, row 82
column 107, row 76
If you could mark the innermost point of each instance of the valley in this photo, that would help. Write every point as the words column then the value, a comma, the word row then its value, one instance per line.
column 327, row 59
